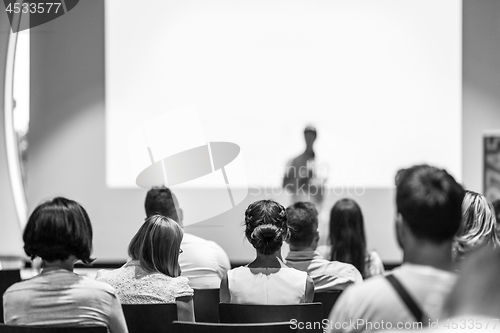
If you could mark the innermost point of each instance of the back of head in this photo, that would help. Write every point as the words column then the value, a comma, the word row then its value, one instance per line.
column 157, row 245
column 476, row 291
column 347, row 234
column 266, row 226
column 161, row 201
column 430, row 202
column 478, row 225
column 303, row 223
column 57, row 229
column 496, row 206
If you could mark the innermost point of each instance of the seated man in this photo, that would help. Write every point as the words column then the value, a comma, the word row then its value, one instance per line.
column 429, row 211
column 203, row 262
column 327, row 275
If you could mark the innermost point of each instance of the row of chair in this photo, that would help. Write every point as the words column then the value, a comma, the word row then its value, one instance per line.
column 162, row 318
column 177, row 327
column 206, row 304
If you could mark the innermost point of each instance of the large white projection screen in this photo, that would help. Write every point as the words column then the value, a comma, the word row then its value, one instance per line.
column 380, row 80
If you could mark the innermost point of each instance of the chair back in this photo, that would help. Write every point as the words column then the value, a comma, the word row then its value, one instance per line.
column 328, row 300
column 257, row 313
column 152, row 318
column 51, row 329
column 206, row 305
column 187, row 327
column 7, row 278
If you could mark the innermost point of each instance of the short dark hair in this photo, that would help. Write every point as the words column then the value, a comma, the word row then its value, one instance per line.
column 430, row 202
column 57, row 229
column 303, row 222
column 161, row 201
column 157, row 244
column 266, row 226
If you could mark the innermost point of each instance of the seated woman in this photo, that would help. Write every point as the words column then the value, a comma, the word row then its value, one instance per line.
column 59, row 232
column 347, row 242
column 153, row 274
column 266, row 280
column 478, row 227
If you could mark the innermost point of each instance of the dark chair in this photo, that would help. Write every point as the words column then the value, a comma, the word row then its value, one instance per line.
column 51, row 329
column 252, row 313
column 7, row 278
column 206, row 305
column 152, row 318
column 187, row 327
column 328, row 300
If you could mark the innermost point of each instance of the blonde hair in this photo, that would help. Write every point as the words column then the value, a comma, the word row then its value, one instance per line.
column 478, row 226
column 157, row 245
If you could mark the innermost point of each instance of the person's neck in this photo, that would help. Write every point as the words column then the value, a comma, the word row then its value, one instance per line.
column 273, row 260
column 437, row 255
column 302, row 248
column 309, row 151
column 67, row 264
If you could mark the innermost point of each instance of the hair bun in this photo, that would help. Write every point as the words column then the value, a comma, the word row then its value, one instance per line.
column 267, row 238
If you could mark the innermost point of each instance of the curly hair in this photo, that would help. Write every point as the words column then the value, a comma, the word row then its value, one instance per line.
column 266, row 226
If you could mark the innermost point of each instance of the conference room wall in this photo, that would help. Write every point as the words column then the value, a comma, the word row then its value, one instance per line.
column 67, row 135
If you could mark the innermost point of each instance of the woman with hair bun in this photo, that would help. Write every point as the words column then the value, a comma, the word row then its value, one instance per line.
column 266, row 280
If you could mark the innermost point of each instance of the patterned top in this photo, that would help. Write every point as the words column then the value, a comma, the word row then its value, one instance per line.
column 134, row 285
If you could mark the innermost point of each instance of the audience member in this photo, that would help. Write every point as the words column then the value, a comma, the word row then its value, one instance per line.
column 152, row 276
column 474, row 301
column 478, row 225
column 347, row 241
column 266, row 280
column 428, row 204
column 203, row 262
column 59, row 232
column 496, row 206
column 327, row 275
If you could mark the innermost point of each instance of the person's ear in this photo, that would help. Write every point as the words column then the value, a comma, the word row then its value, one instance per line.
column 181, row 217
column 400, row 230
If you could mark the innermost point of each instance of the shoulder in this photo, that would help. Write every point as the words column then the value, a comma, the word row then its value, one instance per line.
column 372, row 292
column 324, row 250
column 91, row 284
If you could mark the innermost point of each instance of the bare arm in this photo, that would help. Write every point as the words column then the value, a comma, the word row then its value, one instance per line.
column 309, row 290
column 117, row 323
column 185, row 308
column 225, row 296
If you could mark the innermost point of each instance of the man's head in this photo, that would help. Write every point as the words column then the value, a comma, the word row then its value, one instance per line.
column 429, row 203
column 161, row 201
column 310, row 135
column 303, row 222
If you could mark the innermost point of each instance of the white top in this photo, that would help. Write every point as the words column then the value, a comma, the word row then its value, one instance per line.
column 376, row 300
column 136, row 286
column 327, row 275
column 373, row 263
column 58, row 297
column 266, row 285
column 203, row 262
